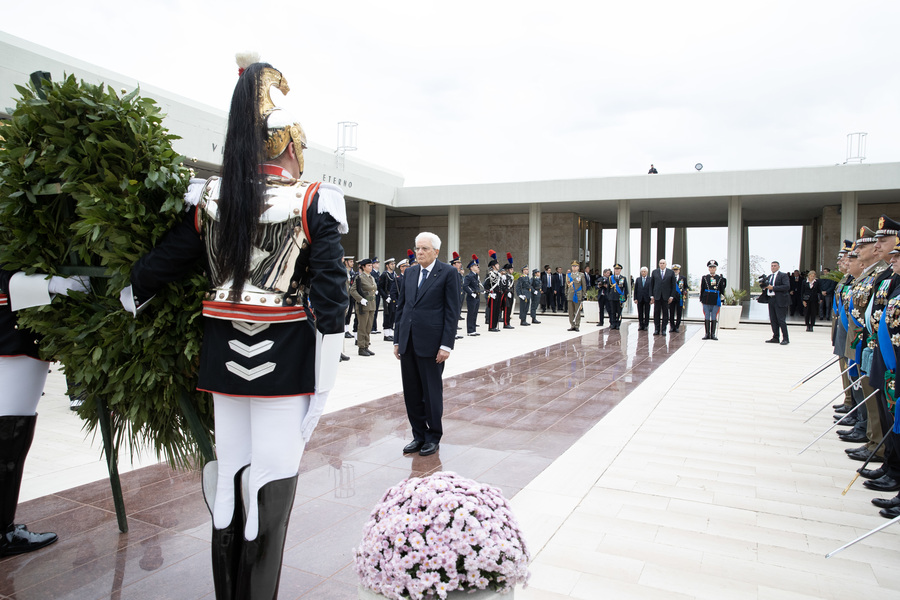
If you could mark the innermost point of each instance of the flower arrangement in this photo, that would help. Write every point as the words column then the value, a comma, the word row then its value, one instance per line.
column 429, row 536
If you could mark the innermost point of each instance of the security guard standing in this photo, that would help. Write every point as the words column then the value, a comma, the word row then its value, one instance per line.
column 616, row 296
column 363, row 292
column 712, row 288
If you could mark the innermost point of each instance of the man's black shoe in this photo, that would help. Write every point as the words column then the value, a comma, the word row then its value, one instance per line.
column 413, row 446
column 871, row 473
column 784, row 342
column 525, row 324
column 885, row 483
column 571, row 329
column 841, row 409
column 854, row 438
column 348, row 335
column 773, row 341
column 365, row 352
column 344, row 357
column 428, row 449
column 536, row 322
column 837, row 406
column 508, row 327
column 890, row 513
column 866, row 456
column 473, row 334
column 854, row 450
column 849, row 422
column 495, row 329
column 886, row 502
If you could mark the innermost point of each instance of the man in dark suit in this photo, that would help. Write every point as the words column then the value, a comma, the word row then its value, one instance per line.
column 424, row 334
column 662, row 294
column 559, row 290
column 547, row 287
column 642, row 299
column 778, row 289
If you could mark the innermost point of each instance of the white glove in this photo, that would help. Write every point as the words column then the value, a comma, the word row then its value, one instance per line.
column 376, row 292
column 509, row 294
column 63, row 285
column 387, row 300
column 328, row 351
column 522, row 297
column 364, row 302
column 492, row 296
column 126, row 297
column 194, row 192
column 316, row 408
column 474, row 295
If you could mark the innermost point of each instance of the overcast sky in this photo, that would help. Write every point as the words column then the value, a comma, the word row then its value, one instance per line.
column 512, row 91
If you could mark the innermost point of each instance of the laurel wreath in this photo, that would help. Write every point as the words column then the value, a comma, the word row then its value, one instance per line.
column 89, row 182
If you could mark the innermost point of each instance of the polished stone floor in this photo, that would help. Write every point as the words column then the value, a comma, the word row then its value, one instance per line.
column 505, row 423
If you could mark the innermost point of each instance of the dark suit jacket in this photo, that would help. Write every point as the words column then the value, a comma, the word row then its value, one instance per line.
column 662, row 288
column 782, row 288
column 641, row 291
column 428, row 314
column 558, row 283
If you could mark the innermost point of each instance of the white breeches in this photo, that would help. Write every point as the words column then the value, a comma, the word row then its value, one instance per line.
column 261, row 432
column 22, row 381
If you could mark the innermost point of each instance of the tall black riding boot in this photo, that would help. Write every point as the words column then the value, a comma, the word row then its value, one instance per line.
column 16, row 434
column 713, row 325
column 226, row 542
column 706, row 324
column 261, row 557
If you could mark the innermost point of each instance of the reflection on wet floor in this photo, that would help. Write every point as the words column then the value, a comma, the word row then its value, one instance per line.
column 503, row 424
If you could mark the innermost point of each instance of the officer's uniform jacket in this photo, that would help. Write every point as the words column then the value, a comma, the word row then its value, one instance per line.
column 612, row 293
column 861, row 293
column 575, row 284
column 712, row 289
column 364, row 288
column 260, row 341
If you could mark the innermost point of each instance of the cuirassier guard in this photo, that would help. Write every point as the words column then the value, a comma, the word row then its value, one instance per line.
column 273, row 324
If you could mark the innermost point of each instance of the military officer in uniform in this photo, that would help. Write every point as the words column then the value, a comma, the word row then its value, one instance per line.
column 473, row 289
column 506, row 293
column 681, row 295
column 523, row 292
column 363, row 293
column 536, row 294
column 575, row 295
column 712, row 288
column 616, row 296
column 351, row 277
column 861, row 294
column 492, row 289
column 385, row 283
column 376, row 275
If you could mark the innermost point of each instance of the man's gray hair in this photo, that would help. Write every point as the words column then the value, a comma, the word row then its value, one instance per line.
column 644, row 269
column 435, row 240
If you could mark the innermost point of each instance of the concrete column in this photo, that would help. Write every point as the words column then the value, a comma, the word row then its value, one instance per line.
column 735, row 237
column 806, row 256
column 623, row 242
column 645, row 239
column 534, row 237
column 660, row 245
column 362, row 249
column 451, row 244
column 379, row 233
column 745, row 259
column 849, row 208
column 679, row 249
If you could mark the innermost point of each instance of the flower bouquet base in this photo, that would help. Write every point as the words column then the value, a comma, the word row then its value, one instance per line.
column 367, row 594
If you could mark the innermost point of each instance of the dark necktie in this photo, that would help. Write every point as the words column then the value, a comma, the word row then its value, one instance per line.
column 424, row 277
